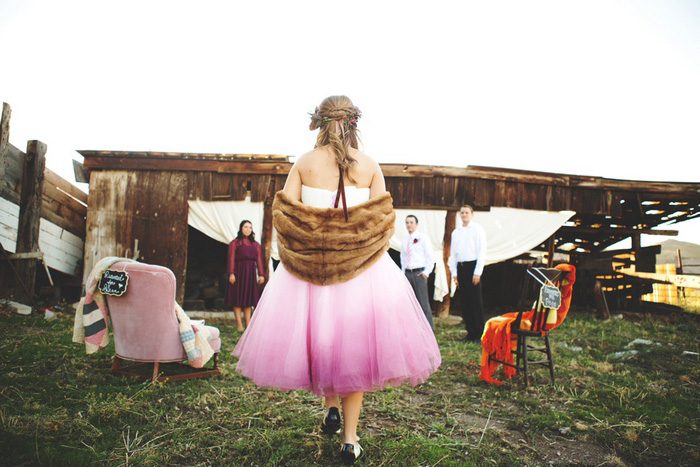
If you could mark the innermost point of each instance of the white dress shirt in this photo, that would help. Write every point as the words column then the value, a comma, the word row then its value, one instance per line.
column 468, row 244
column 421, row 252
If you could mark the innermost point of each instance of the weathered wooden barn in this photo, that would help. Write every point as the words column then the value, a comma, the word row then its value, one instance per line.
column 138, row 201
column 42, row 222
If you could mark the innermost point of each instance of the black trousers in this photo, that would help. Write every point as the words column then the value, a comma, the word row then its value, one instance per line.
column 470, row 299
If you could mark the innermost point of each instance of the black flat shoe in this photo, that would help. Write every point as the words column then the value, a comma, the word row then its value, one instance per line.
column 331, row 422
column 351, row 452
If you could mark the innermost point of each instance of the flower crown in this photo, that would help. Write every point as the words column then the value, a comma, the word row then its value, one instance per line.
column 349, row 119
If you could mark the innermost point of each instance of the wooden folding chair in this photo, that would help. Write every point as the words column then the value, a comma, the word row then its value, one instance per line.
column 532, row 324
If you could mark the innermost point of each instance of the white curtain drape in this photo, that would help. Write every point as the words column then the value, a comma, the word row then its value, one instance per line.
column 220, row 219
column 432, row 224
column 511, row 232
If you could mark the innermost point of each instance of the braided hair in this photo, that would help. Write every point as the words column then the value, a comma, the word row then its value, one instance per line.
column 337, row 118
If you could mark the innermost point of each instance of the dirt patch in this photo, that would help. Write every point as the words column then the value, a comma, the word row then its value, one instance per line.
column 573, row 452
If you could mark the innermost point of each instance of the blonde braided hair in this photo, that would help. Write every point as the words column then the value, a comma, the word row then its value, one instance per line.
column 336, row 118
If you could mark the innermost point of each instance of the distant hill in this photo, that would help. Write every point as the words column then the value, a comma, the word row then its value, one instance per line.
column 690, row 255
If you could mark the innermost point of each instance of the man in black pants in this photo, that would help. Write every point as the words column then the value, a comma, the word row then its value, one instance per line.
column 467, row 256
column 417, row 263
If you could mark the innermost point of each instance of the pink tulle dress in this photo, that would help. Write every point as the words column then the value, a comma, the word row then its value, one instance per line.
column 356, row 336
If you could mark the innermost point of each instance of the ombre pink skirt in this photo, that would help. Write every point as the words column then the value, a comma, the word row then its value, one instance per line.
column 357, row 336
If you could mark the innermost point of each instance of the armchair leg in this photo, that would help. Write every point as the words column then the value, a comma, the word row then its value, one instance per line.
column 155, row 371
column 216, row 360
column 116, row 363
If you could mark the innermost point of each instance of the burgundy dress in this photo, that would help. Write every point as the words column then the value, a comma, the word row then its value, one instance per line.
column 244, row 257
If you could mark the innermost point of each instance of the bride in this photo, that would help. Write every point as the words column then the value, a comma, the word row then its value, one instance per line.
column 338, row 317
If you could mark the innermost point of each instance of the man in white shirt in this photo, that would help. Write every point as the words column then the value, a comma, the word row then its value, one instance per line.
column 467, row 256
column 417, row 263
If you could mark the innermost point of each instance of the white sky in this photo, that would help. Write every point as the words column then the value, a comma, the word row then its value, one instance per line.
column 605, row 88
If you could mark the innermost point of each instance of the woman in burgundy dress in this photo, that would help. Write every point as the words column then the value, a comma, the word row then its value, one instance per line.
column 244, row 264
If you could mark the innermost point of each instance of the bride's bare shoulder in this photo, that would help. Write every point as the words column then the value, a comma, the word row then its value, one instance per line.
column 310, row 158
column 365, row 162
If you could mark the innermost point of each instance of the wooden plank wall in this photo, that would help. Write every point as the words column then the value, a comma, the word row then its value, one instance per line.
column 150, row 207
column 63, row 251
column 452, row 192
column 62, row 202
column 212, row 186
column 441, row 192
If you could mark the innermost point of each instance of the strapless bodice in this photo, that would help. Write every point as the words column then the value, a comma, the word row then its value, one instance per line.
column 320, row 198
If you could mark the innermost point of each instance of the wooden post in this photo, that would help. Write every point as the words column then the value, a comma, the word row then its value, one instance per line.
column 4, row 141
column 601, row 304
column 679, row 270
column 550, row 251
column 444, row 307
column 30, row 212
column 636, row 288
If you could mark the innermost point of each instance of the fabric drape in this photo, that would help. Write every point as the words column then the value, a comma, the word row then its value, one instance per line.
column 220, row 219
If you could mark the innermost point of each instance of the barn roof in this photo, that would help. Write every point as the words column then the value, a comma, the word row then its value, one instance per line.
column 607, row 210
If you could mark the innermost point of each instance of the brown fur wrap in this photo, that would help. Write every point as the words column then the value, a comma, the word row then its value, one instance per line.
column 317, row 245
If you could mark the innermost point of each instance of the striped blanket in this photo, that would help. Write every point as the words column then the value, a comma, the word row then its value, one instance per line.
column 92, row 316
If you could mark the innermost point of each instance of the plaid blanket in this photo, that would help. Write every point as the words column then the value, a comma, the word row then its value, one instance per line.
column 92, row 316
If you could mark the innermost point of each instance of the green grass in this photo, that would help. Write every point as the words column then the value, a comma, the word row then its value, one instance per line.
column 59, row 406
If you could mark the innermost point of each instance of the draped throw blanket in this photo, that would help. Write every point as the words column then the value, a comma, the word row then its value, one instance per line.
column 317, row 245
column 195, row 340
column 496, row 339
column 92, row 316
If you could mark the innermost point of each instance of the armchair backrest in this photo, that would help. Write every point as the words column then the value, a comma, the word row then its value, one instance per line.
column 144, row 323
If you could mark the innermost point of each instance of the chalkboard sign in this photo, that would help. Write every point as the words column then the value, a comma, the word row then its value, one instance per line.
column 550, row 297
column 114, row 282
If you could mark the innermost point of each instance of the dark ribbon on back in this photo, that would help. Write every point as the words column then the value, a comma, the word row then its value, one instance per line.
column 341, row 192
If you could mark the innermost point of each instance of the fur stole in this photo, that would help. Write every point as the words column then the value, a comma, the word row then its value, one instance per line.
column 317, row 245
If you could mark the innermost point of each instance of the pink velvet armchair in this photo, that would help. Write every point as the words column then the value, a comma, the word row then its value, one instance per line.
column 145, row 325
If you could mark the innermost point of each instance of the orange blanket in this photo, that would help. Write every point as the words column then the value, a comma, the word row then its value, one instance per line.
column 496, row 340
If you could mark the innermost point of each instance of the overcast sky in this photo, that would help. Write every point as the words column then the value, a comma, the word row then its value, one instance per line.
column 604, row 88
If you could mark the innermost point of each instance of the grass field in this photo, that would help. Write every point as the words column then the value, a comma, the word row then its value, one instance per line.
column 59, row 406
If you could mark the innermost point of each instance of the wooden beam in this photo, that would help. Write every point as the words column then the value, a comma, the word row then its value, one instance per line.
column 272, row 164
column 679, row 280
column 4, row 141
column 64, row 185
column 30, row 211
column 617, row 231
column 194, row 165
column 31, row 255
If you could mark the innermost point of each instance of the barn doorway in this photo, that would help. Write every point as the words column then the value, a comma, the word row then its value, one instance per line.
column 205, row 280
